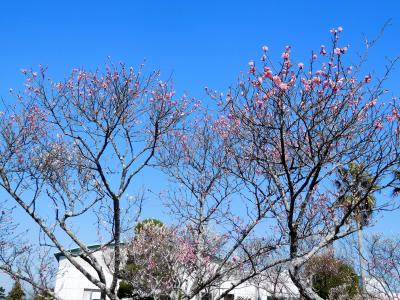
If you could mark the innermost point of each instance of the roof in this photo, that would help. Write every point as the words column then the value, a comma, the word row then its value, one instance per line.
column 76, row 251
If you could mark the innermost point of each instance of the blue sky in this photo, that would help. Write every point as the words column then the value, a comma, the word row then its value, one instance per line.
column 201, row 43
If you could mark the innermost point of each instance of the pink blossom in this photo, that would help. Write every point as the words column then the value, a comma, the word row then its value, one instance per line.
column 367, row 78
column 252, row 68
column 284, row 87
column 276, row 79
column 378, row 124
column 268, row 74
column 340, row 29
column 349, row 69
column 316, row 80
column 265, row 48
column 300, row 65
column 390, row 118
column 256, row 83
column 285, row 55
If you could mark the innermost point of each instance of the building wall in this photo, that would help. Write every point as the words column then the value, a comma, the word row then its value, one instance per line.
column 71, row 283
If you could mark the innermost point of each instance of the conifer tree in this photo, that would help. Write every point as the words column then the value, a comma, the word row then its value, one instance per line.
column 16, row 293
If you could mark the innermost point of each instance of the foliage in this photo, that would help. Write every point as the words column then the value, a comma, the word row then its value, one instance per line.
column 125, row 290
column 2, row 293
column 329, row 274
column 16, row 293
column 356, row 187
column 396, row 186
column 43, row 295
column 152, row 222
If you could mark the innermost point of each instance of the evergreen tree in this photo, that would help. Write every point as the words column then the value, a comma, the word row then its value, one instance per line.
column 16, row 293
column 356, row 184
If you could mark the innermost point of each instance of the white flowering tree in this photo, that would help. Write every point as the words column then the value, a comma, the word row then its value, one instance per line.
column 162, row 260
column 73, row 148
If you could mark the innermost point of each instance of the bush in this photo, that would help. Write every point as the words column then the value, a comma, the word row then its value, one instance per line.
column 329, row 275
column 125, row 290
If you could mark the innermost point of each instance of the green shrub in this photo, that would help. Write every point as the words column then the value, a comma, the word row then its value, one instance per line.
column 125, row 290
column 329, row 273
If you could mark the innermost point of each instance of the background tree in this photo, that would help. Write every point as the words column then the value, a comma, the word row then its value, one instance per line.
column 132, row 269
column 354, row 184
column 331, row 278
column 276, row 282
column 206, row 196
column 383, row 266
column 161, row 260
column 16, row 293
column 396, row 185
column 34, row 264
column 147, row 222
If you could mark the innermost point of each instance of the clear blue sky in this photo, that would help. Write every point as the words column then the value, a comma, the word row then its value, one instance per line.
column 202, row 43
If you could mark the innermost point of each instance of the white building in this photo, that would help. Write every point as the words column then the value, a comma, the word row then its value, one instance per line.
column 73, row 285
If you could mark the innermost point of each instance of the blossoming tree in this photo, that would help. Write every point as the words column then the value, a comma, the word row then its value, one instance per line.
column 162, row 261
column 75, row 147
column 260, row 171
column 292, row 127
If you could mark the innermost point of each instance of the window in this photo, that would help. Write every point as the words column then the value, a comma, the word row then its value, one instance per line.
column 229, row 297
column 91, row 294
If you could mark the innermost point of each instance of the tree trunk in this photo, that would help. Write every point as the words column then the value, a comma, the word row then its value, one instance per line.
column 306, row 292
column 360, row 256
column 103, row 295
